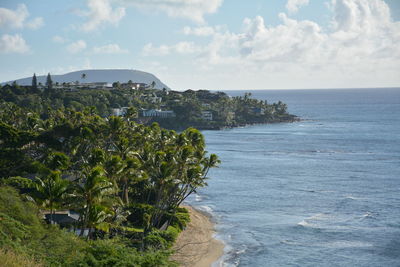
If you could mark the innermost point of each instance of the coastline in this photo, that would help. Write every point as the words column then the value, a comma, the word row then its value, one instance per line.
column 195, row 246
column 293, row 119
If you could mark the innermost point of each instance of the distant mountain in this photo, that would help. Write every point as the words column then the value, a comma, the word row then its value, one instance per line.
column 104, row 75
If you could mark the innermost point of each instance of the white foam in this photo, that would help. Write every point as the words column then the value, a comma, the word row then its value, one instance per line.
column 353, row 197
column 198, row 198
column 206, row 209
column 347, row 244
column 288, row 242
column 226, row 259
column 308, row 222
column 231, row 257
column 304, row 223
column 367, row 214
column 318, row 216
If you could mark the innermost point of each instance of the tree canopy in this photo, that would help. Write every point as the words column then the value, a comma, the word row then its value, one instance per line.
column 125, row 180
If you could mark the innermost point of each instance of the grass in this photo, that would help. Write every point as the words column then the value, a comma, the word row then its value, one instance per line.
column 9, row 258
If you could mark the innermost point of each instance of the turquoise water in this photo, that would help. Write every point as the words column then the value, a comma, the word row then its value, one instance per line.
column 321, row 192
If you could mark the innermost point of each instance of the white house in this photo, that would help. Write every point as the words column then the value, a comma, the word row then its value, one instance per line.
column 207, row 115
column 158, row 113
column 119, row 111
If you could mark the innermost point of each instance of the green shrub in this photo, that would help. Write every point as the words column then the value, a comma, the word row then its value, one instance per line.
column 26, row 213
column 180, row 219
column 155, row 240
column 28, row 238
column 139, row 214
column 170, row 235
column 11, row 231
column 161, row 239
column 114, row 253
column 22, row 230
column 24, row 185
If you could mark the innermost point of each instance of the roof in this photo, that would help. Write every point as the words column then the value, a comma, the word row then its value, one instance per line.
column 63, row 217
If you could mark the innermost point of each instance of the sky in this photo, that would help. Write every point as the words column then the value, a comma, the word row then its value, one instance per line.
column 208, row 44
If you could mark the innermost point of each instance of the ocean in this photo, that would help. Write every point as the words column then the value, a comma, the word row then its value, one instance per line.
column 324, row 191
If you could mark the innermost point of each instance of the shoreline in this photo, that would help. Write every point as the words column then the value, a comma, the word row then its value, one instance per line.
column 223, row 127
column 196, row 246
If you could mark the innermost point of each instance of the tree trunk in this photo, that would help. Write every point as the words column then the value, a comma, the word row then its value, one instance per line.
column 126, row 195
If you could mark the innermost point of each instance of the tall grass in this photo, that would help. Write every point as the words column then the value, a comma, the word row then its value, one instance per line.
column 9, row 258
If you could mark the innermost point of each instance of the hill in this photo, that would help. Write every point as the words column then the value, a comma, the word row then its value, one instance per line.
column 100, row 75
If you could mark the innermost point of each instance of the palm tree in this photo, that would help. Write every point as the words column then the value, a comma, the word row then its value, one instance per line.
column 50, row 191
column 92, row 197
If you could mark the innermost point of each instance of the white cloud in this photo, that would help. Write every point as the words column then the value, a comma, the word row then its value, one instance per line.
column 199, row 31
column 58, row 39
column 76, row 47
column 360, row 49
column 36, row 23
column 17, row 19
column 151, row 50
column 13, row 19
column 13, row 44
column 186, row 48
column 188, row 9
column 100, row 12
column 109, row 49
column 293, row 5
column 289, row 42
column 162, row 50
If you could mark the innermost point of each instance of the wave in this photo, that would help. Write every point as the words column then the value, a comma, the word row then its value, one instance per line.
column 347, row 244
column 206, row 209
column 198, row 198
column 311, row 221
column 231, row 257
column 288, row 242
column 319, row 216
column 353, row 197
column 368, row 215
column 304, row 223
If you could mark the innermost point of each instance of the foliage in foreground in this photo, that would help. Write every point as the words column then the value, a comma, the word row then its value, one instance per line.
column 25, row 240
column 11, row 259
column 125, row 180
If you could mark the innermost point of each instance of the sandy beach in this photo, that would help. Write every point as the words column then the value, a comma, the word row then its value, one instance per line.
column 196, row 246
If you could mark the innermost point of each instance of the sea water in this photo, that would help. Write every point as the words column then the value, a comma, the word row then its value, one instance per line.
column 324, row 191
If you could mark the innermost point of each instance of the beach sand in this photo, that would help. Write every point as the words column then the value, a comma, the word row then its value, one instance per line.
column 195, row 246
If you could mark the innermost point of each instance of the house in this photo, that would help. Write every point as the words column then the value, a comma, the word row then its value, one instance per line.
column 66, row 219
column 156, row 113
column 63, row 217
column 58, row 86
column 74, row 86
column 207, row 115
column 134, row 86
column 119, row 111
column 130, row 86
column 94, row 85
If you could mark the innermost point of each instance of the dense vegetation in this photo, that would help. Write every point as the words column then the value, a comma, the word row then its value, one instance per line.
column 61, row 150
column 125, row 180
column 188, row 106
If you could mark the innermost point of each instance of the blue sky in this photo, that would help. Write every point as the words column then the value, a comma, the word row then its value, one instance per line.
column 208, row 44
